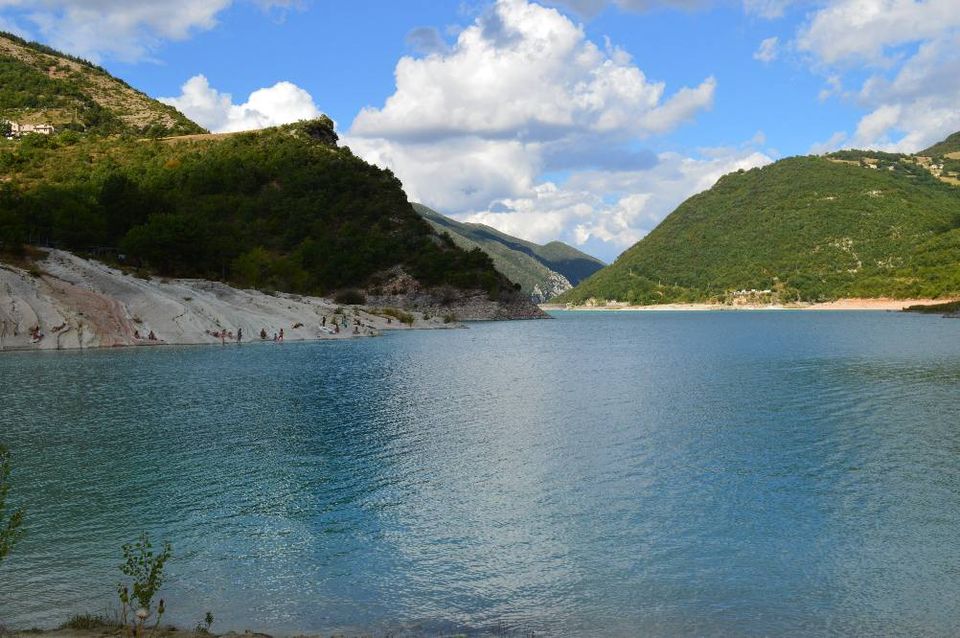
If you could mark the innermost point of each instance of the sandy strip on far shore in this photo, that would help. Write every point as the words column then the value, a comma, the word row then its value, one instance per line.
column 839, row 304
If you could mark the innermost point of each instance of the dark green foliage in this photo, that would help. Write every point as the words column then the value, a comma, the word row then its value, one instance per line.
column 204, row 627
column 807, row 228
column 10, row 522
column 282, row 209
column 936, row 309
column 350, row 297
column 145, row 568
column 22, row 86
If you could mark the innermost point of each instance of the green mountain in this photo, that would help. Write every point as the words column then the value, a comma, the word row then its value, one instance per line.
column 133, row 182
column 853, row 224
column 543, row 272
column 41, row 86
column 279, row 209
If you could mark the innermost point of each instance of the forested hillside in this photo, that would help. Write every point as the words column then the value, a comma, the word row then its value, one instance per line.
column 282, row 209
column 804, row 228
column 39, row 85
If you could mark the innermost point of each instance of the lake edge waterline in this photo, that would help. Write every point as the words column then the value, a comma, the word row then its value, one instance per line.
column 65, row 301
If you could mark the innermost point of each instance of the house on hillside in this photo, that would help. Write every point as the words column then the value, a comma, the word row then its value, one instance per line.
column 19, row 130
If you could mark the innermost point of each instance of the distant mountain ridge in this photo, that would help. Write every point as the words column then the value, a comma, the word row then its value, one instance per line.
column 39, row 85
column 849, row 224
column 543, row 272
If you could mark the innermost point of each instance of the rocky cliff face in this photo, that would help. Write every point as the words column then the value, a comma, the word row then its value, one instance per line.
column 403, row 291
column 556, row 284
column 65, row 302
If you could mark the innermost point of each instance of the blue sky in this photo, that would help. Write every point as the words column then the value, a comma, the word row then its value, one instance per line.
column 582, row 120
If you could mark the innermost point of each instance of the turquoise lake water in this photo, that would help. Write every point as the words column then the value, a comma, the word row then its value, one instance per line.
column 657, row 474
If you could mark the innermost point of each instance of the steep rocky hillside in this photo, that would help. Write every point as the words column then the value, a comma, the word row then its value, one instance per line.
column 543, row 272
column 41, row 86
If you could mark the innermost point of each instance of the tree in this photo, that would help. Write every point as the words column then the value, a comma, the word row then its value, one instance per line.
column 11, row 523
column 145, row 568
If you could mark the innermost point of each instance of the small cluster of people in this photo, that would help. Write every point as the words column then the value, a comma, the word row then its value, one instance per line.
column 336, row 323
column 35, row 335
column 225, row 334
column 150, row 337
column 277, row 337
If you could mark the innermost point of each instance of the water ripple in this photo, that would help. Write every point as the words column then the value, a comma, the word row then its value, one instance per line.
column 664, row 475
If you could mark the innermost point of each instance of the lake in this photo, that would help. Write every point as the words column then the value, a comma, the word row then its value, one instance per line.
column 616, row 474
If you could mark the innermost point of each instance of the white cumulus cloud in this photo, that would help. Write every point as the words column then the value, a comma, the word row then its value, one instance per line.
column 475, row 129
column 125, row 29
column 865, row 30
column 281, row 103
column 911, row 52
column 763, row 8
column 607, row 211
column 525, row 70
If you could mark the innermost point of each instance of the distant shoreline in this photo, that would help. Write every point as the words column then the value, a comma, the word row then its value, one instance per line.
column 879, row 304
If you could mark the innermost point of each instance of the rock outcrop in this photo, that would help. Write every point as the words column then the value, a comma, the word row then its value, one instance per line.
column 67, row 302
column 403, row 291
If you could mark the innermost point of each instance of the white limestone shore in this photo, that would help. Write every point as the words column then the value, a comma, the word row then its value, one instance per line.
column 71, row 302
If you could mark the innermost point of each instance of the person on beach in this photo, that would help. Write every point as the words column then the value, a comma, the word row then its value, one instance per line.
column 281, row 335
column 223, row 337
column 323, row 322
column 263, row 334
column 151, row 336
column 239, row 335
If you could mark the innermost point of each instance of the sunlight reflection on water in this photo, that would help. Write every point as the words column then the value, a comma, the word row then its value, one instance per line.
column 661, row 474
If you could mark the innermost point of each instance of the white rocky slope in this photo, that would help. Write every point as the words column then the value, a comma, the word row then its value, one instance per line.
column 78, row 303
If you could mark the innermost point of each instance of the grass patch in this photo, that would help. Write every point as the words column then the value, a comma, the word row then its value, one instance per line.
column 399, row 315
column 86, row 622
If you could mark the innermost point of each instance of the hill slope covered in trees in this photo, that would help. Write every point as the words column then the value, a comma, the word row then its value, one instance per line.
column 280, row 209
column 542, row 271
column 803, row 228
column 39, row 85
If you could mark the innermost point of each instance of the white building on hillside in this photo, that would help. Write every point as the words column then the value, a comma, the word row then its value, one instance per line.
column 19, row 130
